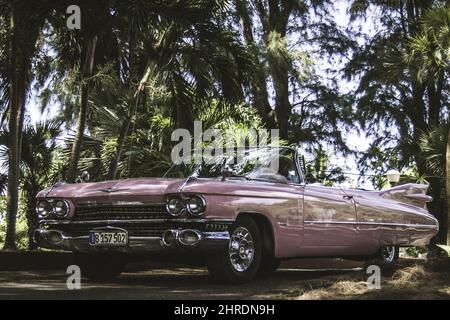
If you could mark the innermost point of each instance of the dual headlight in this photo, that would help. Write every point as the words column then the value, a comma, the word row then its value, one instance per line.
column 195, row 205
column 55, row 208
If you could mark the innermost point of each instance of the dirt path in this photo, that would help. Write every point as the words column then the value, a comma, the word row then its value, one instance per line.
column 412, row 281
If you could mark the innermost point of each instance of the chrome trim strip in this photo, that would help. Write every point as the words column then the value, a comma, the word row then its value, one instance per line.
column 144, row 238
column 79, row 238
column 406, row 225
column 120, row 203
column 56, row 222
column 130, row 238
column 329, row 222
column 225, row 235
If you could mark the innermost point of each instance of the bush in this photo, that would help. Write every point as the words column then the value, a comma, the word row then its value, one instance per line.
column 21, row 226
column 415, row 251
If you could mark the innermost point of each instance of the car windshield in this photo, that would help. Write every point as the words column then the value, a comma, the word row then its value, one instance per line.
column 272, row 164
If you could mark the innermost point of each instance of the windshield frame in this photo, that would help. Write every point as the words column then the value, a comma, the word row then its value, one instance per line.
column 296, row 160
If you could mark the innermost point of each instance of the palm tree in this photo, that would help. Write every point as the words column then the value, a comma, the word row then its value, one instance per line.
column 429, row 52
column 98, row 17
column 172, row 54
column 37, row 165
column 86, row 72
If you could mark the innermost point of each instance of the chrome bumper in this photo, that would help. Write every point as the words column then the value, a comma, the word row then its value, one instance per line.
column 170, row 240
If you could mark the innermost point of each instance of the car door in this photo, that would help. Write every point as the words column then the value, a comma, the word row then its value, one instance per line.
column 329, row 219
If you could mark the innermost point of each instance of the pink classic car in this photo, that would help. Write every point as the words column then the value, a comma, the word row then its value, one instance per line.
column 240, row 218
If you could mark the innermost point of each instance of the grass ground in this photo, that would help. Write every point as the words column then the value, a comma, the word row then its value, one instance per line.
column 411, row 280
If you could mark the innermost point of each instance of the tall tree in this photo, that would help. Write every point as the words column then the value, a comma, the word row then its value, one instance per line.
column 98, row 18
column 284, row 88
column 86, row 83
column 392, row 105
column 23, row 22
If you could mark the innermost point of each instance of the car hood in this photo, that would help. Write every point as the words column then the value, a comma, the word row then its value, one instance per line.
column 136, row 189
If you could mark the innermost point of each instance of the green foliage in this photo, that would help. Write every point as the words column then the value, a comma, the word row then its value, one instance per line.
column 21, row 227
column 415, row 251
column 429, row 50
column 432, row 144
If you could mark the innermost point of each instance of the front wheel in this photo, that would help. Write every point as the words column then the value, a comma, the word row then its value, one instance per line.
column 100, row 267
column 240, row 262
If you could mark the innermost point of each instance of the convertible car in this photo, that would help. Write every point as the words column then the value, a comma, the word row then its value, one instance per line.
column 241, row 214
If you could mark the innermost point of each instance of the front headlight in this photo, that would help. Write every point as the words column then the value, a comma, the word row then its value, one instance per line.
column 44, row 208
column 196, row 205
column 175, row 206
column 61, row 208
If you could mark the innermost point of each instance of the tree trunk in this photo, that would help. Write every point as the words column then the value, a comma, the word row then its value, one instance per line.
column 87, row 71
column 258, row 85
column 13, row 160
column 81, row 125
column 447, row 184
column 32, row 221
column 16, row 111
column 112, row 171
column 22, row 43
column 283, row 106
column 121, row 140
column 275, row 20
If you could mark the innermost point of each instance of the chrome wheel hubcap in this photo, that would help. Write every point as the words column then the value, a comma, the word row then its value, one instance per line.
column 241, row 249
column 388, row 253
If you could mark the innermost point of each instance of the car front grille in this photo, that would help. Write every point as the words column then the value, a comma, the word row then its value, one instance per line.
column 134, row 229
column 120, row 212
column 153, row 220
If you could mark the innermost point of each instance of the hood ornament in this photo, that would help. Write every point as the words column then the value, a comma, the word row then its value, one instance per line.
column 111, row 190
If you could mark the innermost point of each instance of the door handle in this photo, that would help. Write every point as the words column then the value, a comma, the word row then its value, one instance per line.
column 347, row 197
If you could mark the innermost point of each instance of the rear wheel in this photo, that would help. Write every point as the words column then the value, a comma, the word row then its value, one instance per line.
column 389, row 255
column 100, row 267
column 240, row 262
column 386, row 258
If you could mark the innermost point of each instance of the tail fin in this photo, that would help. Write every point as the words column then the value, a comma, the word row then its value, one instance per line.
column 410, row 193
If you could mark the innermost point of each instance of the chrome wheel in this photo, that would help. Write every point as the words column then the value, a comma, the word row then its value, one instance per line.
column 388, row 253
column 241, row 249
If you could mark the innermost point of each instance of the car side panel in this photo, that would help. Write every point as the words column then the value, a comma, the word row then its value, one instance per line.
column 383, row 222
column 329, row 222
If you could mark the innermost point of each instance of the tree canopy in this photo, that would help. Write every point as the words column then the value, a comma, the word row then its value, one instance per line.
column 136, row 70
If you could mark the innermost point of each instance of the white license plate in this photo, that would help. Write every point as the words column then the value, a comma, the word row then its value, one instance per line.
column 108, row 238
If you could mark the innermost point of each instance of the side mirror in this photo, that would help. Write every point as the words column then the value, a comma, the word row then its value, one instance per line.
column 84, row 177
column 226, row 172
